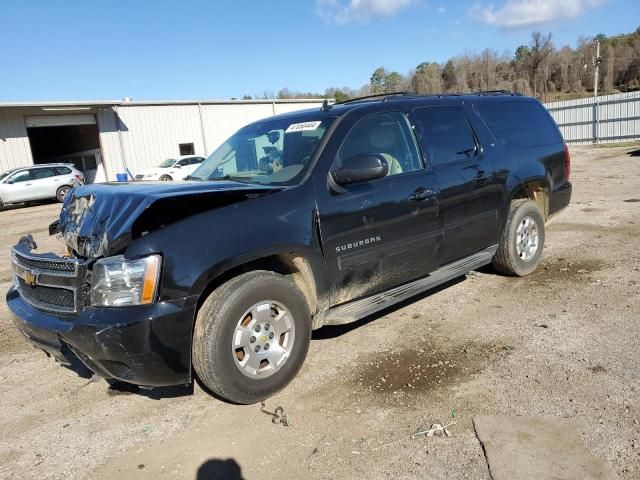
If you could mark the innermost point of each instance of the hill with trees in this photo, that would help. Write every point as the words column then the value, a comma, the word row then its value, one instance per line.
column 537, row 69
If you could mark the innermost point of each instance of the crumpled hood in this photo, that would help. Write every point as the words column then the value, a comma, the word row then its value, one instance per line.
column 102, row 219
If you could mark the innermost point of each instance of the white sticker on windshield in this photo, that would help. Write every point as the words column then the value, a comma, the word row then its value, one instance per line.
column 302, row 127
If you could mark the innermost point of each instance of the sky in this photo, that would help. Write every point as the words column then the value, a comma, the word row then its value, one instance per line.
column 170, row 50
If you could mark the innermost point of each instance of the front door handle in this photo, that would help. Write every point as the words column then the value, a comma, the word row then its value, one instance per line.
column 422, row 194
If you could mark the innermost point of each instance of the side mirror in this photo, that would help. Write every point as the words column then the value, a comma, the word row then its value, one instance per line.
column 177, row 165
column 361, row 168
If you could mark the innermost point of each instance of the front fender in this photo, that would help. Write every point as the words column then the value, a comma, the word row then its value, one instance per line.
column 200, row 248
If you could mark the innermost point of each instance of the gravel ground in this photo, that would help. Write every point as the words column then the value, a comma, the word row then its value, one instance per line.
column 562, row 342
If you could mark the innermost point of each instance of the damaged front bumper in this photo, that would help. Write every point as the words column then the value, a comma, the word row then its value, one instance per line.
column 147, row 345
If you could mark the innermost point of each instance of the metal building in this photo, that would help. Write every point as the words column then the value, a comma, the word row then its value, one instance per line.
column 103, row 138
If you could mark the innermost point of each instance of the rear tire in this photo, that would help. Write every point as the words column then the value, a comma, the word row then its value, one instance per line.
column 251, row 337
column 522, row 241
column 62, row 192
column 166, row 178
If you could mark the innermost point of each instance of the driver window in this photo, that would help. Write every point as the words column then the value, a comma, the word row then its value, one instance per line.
column 387, row 134
column 20, row 177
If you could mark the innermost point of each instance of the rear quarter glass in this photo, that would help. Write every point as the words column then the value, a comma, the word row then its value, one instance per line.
column 519, row 124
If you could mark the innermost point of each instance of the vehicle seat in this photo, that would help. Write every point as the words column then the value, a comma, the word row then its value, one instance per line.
column 385, row 142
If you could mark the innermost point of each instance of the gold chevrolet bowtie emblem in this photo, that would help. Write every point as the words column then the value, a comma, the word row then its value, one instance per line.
column 29, row 278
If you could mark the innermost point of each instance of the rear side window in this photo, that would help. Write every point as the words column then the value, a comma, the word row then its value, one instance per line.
column 40, row 173
column 444, row 134
column 519, row 124
column 62, row 170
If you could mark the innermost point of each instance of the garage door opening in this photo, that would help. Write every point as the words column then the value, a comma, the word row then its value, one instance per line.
column 67, row 139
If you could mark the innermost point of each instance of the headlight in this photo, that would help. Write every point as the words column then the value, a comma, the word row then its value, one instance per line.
column 118, row 282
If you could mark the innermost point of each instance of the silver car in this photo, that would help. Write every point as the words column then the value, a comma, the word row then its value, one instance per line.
column 38, row 182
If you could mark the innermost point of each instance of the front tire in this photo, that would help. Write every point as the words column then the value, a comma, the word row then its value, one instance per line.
column 62, row 193
column 166, row 178
column 522, row 241
column 251, row 337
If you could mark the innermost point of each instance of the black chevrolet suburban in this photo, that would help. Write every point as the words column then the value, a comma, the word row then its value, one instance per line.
column 311, row 218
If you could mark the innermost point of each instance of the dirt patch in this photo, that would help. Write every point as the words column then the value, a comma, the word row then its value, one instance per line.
column 632, row 200
column 591, row 210
column 12, row 342
column 561, row 269
column 425, row 369
column 597, row 369
column 571, row 227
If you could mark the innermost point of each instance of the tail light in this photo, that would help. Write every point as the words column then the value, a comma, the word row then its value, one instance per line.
column 567, row 162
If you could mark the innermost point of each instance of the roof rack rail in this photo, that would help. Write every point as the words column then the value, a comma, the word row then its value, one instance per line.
column 383, row 95
column 495, row 92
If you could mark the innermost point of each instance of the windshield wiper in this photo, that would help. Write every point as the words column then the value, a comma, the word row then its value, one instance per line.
column 229, row 177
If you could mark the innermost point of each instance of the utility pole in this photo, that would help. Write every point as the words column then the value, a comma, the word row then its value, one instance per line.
column 596, row 106
column 596, row 67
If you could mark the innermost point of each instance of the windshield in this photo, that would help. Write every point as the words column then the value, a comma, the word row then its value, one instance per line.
column 276, row 152
column 4, row 175
column 167, row 163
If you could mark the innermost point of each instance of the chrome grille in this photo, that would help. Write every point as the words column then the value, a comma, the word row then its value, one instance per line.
column 48, row 264
column 47, row 281
column 55, row 297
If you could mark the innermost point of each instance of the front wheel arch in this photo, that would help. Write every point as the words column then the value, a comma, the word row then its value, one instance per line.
column 294, row 266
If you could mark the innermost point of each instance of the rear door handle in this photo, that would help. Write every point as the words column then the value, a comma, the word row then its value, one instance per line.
column 422, row 194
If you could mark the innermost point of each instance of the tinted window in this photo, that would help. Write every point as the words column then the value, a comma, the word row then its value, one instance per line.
column 20, row 177
column 196, row 160
column 519, row 124
column 183, row 162
column 62, row 170
column 387, row 134
column 39, row 173
column 444, row 134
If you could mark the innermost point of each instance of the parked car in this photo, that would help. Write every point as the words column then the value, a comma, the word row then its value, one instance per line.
column 53, row 180
column 178, row 168
column 305, row 219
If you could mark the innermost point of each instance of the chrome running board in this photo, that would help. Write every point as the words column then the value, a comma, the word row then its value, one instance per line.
column 357, row 309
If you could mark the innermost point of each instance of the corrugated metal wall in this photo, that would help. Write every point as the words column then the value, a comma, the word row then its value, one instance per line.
column 604, row 119
column 15, row 150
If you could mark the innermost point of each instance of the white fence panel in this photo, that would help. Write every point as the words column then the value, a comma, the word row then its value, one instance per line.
column 604, row 119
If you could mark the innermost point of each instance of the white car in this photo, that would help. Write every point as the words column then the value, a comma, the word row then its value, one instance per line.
column 52, row 180
column 177, row 168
